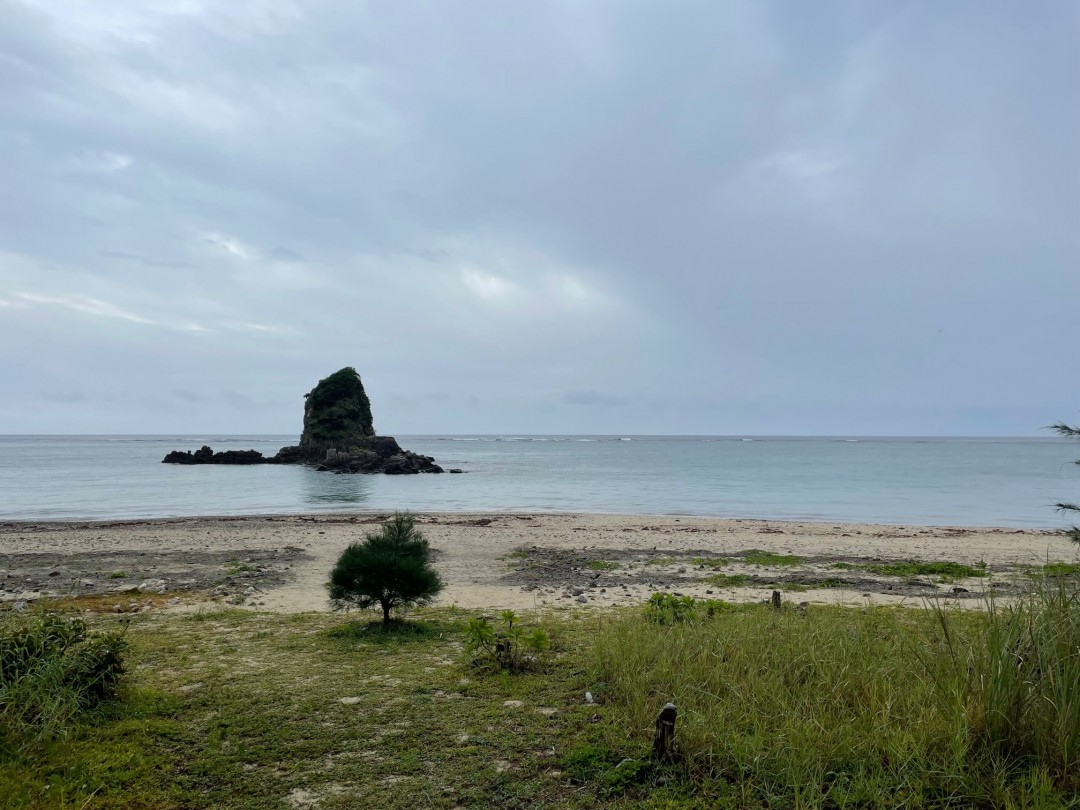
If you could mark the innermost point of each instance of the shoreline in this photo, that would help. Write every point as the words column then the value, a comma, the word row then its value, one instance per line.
column 523, row 560
column 9, row 523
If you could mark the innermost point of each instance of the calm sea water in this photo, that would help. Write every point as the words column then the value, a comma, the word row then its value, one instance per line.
column 961, row 481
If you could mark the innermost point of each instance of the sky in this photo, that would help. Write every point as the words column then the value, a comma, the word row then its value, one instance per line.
column 838, row 218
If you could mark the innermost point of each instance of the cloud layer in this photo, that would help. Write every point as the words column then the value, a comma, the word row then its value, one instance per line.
column 736, row 217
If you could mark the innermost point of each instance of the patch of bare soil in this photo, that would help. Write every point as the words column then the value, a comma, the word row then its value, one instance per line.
column 235, row 574
column 576, row 572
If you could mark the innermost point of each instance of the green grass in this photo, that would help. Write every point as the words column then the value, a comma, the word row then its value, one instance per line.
column 758, row 557
column 116, row 575
column 602, row 565
column 849, row 707
column 728, row 580
column 1061, row 569
column 54, row 671
column 945, row 571
column 231, row 709
column 950, row 570
column 840, row 707
column 830, row 582
column 398, row 633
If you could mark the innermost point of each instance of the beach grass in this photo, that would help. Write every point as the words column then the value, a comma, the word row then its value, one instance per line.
column 1061, row 569
column 843, row 707
column 831, row 707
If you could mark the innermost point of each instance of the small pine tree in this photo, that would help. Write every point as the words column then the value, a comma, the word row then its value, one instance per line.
column 389, row 568
column 1074, row 433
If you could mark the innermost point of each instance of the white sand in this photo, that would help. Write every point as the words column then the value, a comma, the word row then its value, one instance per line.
column 474, row 559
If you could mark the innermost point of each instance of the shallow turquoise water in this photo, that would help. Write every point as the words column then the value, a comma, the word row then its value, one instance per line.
column 962, row 481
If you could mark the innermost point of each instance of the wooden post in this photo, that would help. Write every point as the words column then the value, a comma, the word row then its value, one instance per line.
column 776, row 600
column 664, row 740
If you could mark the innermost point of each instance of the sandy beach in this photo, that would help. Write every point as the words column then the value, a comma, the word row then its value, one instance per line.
column 519, row 561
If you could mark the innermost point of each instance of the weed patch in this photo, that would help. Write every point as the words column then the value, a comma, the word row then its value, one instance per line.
column 602, row 565
column 951, row 570
column 758, row 557
column 728, row 580
column 1061, row 569
column 53, row 670
column 507, row 647
column 710, row 562
column 607, row 769
column 830, row 582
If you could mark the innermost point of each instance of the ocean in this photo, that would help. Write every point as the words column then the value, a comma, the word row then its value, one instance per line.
column 927, row 481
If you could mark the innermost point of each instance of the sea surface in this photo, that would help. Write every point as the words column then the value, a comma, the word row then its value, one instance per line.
column 929, row 481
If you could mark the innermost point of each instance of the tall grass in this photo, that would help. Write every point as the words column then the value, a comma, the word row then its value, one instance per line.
column 857, row 707
column 1023, row 679
column 53, row 669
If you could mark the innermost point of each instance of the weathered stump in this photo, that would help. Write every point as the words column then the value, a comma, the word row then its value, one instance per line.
column 776, row 600
column 663, row 745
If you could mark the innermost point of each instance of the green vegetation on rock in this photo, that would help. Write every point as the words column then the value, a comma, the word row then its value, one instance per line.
column 337, row 413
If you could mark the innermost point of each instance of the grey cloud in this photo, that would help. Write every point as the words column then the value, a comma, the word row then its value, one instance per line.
column 149, row 262
column 768, row 209
column 188, row 396
column 64, row 397
column 239, row 400
column 284, row 254
column 157, row 404
column 590, row 398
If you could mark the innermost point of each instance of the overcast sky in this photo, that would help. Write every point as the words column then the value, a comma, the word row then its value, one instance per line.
column 544, row 217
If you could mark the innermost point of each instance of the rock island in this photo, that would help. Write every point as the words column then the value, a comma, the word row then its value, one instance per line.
column 338, row 436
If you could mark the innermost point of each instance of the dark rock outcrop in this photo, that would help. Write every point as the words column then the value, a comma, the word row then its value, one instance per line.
column 338, row 436
column 292, row 455
column 204, row 455
column 378, row 454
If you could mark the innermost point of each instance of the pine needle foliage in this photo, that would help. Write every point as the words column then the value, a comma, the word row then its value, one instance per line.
column 390, row 568
column 1069, row 432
